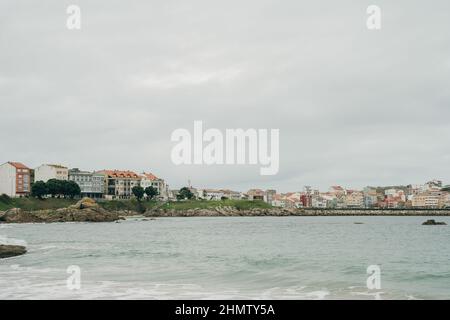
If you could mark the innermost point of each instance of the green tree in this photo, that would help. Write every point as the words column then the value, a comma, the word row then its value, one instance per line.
column 39, row 189
column 446, row 188
column 55, row 187
column 185, row 193
column 151, row 192
column 70, row 189
column 5, row 198
column 138, row 192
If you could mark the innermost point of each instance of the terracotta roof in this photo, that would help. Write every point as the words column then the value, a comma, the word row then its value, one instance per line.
column 18, row 165
column 150, row 176
column 120, row 174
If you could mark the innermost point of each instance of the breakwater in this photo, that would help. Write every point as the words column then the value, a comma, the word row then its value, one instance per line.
column 233, row 212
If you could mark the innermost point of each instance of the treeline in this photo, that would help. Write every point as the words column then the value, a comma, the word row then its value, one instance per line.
column 55, row 188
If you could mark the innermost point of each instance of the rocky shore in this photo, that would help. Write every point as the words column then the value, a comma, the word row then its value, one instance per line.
column 7, row 251
column 85, row 210
column 233, row 212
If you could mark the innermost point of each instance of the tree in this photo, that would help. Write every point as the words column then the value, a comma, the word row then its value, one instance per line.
column 55, row 187
column 185, row 193
column 5, row 198
column 138, row 192
column 151, row 192
column 446, row 188
column 70, row 189
column 39, row 189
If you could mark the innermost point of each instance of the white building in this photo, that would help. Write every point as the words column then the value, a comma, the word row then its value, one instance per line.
column 395, row 193
column 319, row 202
column 232, row 195
column 91, row 185
column 46, row 172
column 150, row 180
column 210, row 194
column 15, row 179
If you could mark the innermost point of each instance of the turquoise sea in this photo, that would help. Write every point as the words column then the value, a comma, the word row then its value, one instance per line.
column 230, row 258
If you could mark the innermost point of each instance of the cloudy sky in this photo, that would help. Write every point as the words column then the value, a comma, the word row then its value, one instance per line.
column 354, row 107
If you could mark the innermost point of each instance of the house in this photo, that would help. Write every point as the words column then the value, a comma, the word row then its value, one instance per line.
column 150, row 180
column 291, row 203
column 392, row 202
column 15, row 179
column 395, row 193
column 46, row 172
column 119, row 184
column 306, row 200
column 444, row 201
column 255, row 194
column 434, row 184
column 277, row 201
column 91, row 184
column 337, row 191
column 232, row 195
column 319, row 202
column 210, row 194
column 268, row 195
column 370, row 197
column 354, row 199
column 428, row 199
column 330, row 199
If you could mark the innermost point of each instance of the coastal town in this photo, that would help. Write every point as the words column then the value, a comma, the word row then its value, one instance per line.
column 17, row 180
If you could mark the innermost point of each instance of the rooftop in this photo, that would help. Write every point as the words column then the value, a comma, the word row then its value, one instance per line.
column 120, row 174
column 150, row 176
column 18, row 165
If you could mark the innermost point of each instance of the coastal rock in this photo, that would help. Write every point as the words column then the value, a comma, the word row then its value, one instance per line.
column 83, row 211
column 432, row 222
column 85, row 203
column 7, row 251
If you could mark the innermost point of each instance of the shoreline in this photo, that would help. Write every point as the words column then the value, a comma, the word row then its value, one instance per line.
column 88, row 210
column 278, row 212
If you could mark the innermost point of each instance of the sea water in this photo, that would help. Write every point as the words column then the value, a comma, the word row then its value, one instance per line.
column 230, row 258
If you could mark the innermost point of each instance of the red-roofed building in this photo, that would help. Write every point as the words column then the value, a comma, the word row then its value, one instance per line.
column 15, row 179
column 150, row 180
column 119, row 183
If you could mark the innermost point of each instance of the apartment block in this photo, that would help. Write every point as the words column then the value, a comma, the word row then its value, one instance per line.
column 150, row 180
column 46, row 172
column 15, row 179
column 119, row 184
column 92, row 184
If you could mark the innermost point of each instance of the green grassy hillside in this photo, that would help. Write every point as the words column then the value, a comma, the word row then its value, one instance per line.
column 133, row 205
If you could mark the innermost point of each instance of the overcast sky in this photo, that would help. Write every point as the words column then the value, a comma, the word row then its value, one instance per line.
column 354, row 107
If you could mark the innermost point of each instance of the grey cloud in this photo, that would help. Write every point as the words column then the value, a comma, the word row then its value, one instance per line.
column 353, row 107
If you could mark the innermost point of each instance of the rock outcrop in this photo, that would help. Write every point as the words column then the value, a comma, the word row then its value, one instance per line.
column 85, row 210
column 433, row 222
column 7, row 251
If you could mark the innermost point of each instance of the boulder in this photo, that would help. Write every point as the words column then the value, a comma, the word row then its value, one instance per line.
column 7, row 251
column 85, row 203
column 432, row 222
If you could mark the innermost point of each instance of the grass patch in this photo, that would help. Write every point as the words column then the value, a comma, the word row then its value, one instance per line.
column 131, row 205
column 203, row 204
column 36, row 204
